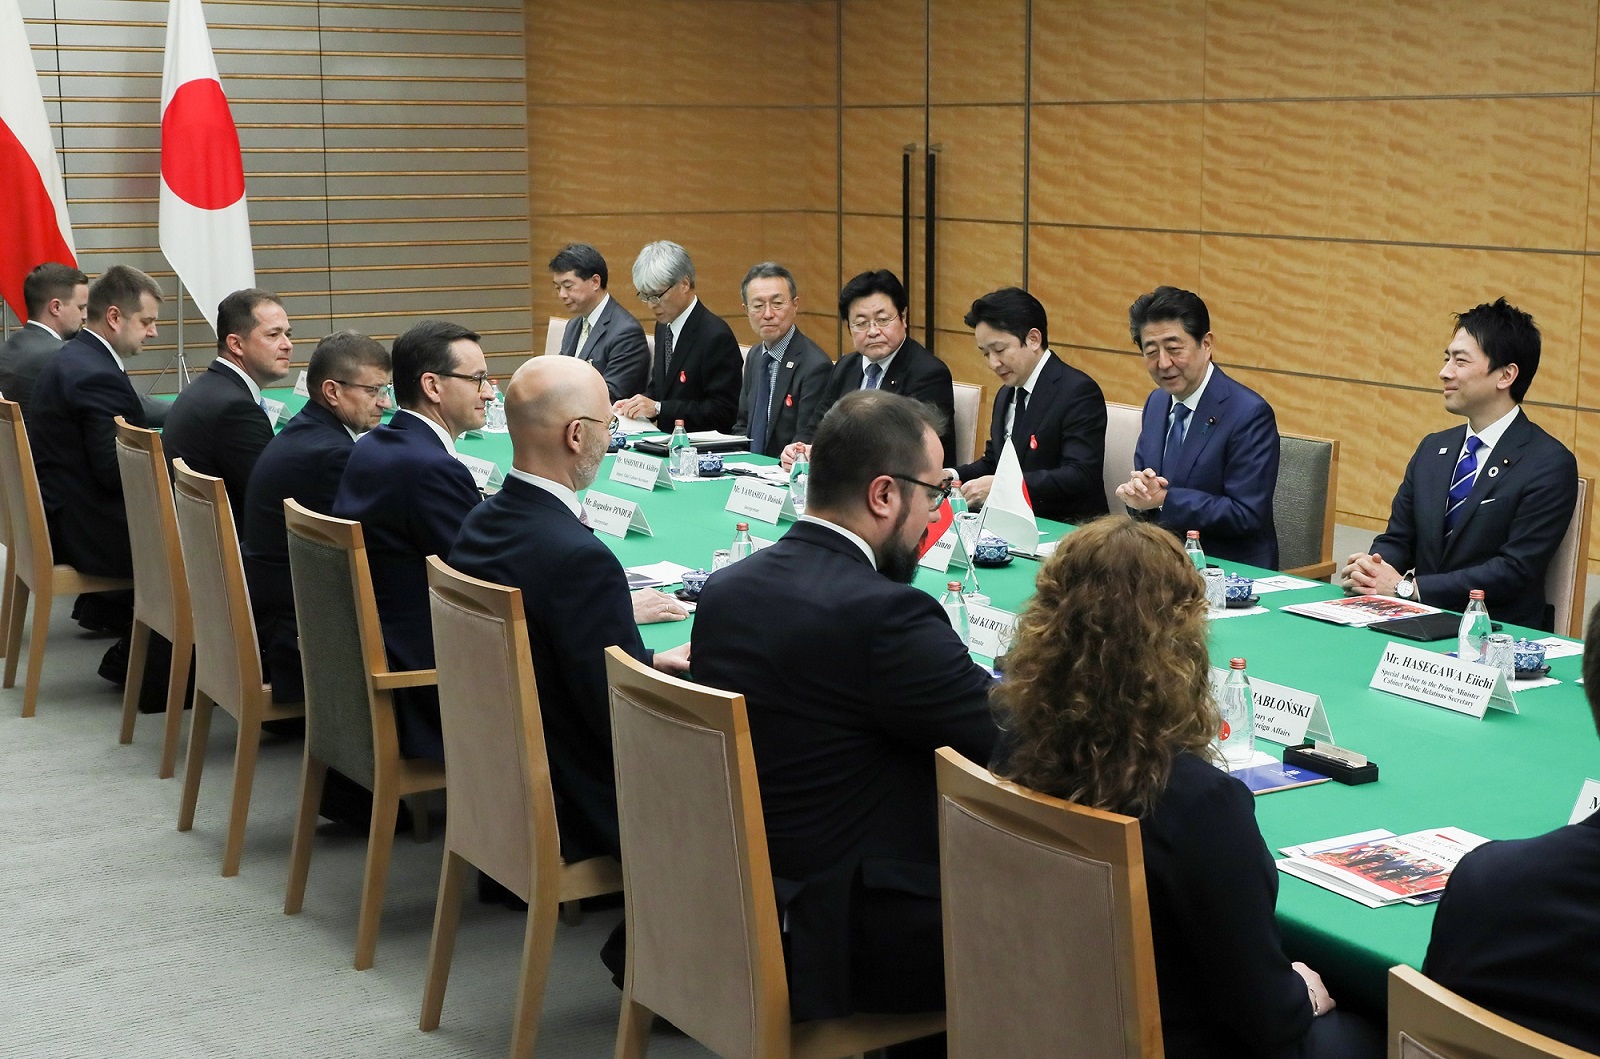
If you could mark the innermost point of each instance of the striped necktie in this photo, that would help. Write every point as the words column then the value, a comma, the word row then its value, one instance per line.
column 874, row 373
column 1461, row 483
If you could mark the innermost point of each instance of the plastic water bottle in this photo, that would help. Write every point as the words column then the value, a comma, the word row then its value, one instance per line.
column 743, row 546
column 955, row 608
column 1473, row 641
column 678, row 453
column 495, row 412
column 1191, row 545
column 799, row 478
column 1237, row 737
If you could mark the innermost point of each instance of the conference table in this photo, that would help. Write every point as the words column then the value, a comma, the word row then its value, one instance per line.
column 1504, row 776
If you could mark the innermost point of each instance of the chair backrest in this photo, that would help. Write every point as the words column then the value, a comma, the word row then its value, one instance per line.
column 1122, row 434
column 1303, row 503
column 553, row 335
column 19, row 482
column 1428, row 1021
column 703, row 944
column 969, row 400
column 160, row 591
column 650, row 340
column 1567, row 577
column 744, row 354
column 1011, row 860
column 502, row 812
column 227, row 655
column 341, row 644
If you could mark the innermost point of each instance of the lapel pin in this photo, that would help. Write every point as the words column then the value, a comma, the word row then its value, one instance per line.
column 788, row 400
column 683, row 376
column 790, row 364
column 1493, row 471
column 1212, row 421
column 1033, row 441
column 1443, row 451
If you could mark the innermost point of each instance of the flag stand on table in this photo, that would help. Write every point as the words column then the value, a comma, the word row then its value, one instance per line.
column 1008, row 512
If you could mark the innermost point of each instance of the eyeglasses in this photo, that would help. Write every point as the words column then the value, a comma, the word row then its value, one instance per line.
column 882, row 323
column 384, row 392
column 480, row 380
column 941, row 492
column 653, row 300
column 610, row 426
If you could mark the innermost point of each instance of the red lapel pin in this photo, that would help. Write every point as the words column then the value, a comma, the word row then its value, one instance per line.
column 683, row 376
column 788, row 400
column 1033, row 441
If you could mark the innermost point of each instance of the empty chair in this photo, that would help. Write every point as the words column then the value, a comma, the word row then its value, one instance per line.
column 1303, row 503
column 1428, row 1021
column 502, row 817
column 1122, row 434
column 702, row 922
column 969, row 401
column 227, row 654
column 160, row 591
column 33, row 568
column 553, row 335
column 349, row 705
column 1567, row 577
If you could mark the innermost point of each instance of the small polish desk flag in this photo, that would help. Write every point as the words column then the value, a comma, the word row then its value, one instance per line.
column 204, row 220
column 1008, row 512
column 33, row 200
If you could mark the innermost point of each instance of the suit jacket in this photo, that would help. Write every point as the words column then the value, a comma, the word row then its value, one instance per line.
column 914, row 372
column 410, row 496
column 796, row 392
column 577, row 602
column 701, row 385
column 1226, row 473
column 217, row 428
column 1060, row 443
column 849, row 693
column 1509, row 530
column 616, row 348
column 1518, row 931
column 21, row 359
column 78, row 393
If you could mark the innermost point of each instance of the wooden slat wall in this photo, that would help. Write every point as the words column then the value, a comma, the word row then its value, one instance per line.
column 384, row 150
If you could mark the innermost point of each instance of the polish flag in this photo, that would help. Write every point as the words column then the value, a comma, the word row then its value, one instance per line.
column 1008, row 511
column 33, row 201
column 205, row 222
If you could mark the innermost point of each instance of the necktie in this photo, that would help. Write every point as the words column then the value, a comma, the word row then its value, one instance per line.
column 760, row 405
column 263, row 404
column 874, row 374
column 583, row 516
column 1019, row 406
column 583, row 337
column 1461, row 483
column 1169, row 458
column 664, row 341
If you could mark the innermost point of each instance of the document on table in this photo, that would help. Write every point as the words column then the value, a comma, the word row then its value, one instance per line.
column 665, row 572
column 765, row 471
column 1283, row 583
column 629, row 425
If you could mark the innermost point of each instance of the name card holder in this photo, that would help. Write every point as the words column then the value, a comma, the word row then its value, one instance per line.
column 611, row 515
column 990, row 630
column 486, row 474
column 1588, row 802
column 949, row 550
column 302, row 385
column 1283, row 714
column 1439, row 680
column 760, row 501
column 274, row 410
column 641, row 471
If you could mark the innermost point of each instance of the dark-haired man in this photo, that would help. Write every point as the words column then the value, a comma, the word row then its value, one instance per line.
column 57, row 297
column 602, row 332
column 844, row 740
column 348, row 380
column 405, row 486
column 1485, row 504
column 1054, row 414
column 786, row 372
column 219, row 423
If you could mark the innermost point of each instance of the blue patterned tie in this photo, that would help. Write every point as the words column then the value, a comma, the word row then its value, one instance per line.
column 1169, row 458
column 874, row 372
column 761, row 402
column 1461, row 483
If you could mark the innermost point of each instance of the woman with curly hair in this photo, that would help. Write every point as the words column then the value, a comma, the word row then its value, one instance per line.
column 1107, row 703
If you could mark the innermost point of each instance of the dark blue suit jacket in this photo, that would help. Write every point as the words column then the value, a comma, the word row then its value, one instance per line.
column 914, row 372
column 576, row 598
column 217, row 428
column 1226, row 473
column 1509, row 530
column 796, row 390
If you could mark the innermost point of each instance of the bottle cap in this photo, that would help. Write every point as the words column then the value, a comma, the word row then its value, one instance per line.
column 678, row 422
column 1236, row 663
column 1194, row 535
column 953, row 586
column 741, row 527
column 1476, row 593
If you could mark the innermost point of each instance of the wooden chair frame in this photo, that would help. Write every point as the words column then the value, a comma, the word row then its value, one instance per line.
column 1573, row 626
column 1436, row 1018
column 1323, row 569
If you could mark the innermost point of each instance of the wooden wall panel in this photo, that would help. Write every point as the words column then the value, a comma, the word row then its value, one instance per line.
column 873, row 142
column 883, row 52
column 977, row 53
column 1118, row 165
column 974, row 259
column 1133, row 49
column 981, row 162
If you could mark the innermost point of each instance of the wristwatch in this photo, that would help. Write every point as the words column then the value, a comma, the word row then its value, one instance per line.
column 1406, row 588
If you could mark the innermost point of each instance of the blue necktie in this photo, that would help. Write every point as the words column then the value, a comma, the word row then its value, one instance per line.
column 1169, row 458
column 874, row 373
column 1461, row 483
column 759, row 407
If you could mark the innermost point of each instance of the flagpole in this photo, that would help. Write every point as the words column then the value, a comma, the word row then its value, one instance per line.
column 183, row 366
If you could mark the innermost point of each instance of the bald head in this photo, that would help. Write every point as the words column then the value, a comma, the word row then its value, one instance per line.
column 557, row 409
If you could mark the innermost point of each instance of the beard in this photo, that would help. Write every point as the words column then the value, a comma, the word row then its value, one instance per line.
column 588, row 467
column 896, row 561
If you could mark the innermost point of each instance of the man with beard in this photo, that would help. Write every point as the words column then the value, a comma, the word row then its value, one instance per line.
column 852, row 679
column 532, row 535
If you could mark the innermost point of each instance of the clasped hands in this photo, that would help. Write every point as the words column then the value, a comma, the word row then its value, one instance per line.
column 1144, row 491
column 1368, row 575
column 636, row 407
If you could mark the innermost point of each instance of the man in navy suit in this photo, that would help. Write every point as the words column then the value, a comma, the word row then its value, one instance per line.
column 602, row 332
column 531, row 535
column 1054, row 414
column 219, row 424
column 348, row 380
column 57, row 298
column 852, row 679
column 405, row 486
column 1482, row 505
column 873, row 305
column 786, row 372
column 695, row 373
column 1207, row 454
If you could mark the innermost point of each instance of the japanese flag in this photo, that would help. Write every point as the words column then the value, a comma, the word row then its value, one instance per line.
column 1008, row 512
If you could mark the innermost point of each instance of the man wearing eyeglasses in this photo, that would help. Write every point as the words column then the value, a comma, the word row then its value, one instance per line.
column 873, row 305
column 786, row 372
column 405, row 486
column 695, row 373
column 348, row 380
column 852, row 678
column 602, row 332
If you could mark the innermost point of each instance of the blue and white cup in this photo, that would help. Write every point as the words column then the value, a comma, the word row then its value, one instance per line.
column 1239, row 588
column 1529, row 655
column 694, row 581
column 710, row 464
column 991, row 548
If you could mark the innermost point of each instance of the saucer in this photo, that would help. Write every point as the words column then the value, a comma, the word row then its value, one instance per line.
column 1534, row 674
column 1243, row 604
column 684, row 597
column 992, row 564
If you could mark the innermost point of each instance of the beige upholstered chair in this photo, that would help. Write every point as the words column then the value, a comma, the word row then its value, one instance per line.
column 969, row 404
column 1303, row 504
column 9, row 588
column 227, row 654
column 1122, row 434
column 349, row 706
column 553, row 335
column 160, row 591
column 33, row 569
column 703, row 943
column 1567, row 577
column 1011, row 860
column 502, row 817
column 1428, row 1021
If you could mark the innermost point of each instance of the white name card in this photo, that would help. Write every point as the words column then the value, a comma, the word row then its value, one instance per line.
column 486, row 474
column 274, row 409
column 1588, row 802
column 641, row 471
column 767, row 503
column 608, row 514
column 302, row 385
column 1439, row 680
column 949, row 550
column 1283, row 714
column 990, row 630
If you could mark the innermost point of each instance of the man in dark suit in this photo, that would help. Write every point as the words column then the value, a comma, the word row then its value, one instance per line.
column 348, row 380
column 1518, row 929
column 602, row 332
column 786, row 372
column 219, row 423
column 695, row 374
column 1054, row 414
column 852, row 679
column 57, row 297
column 1207, row 454
column 405, row 486
column 1482, row 505
column 530, row 535
column 873, row 305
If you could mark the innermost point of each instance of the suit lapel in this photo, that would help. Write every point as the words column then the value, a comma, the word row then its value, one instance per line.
column 586, row 352
column 1044, row 391
column 1502, row 459
column 1213, row 407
